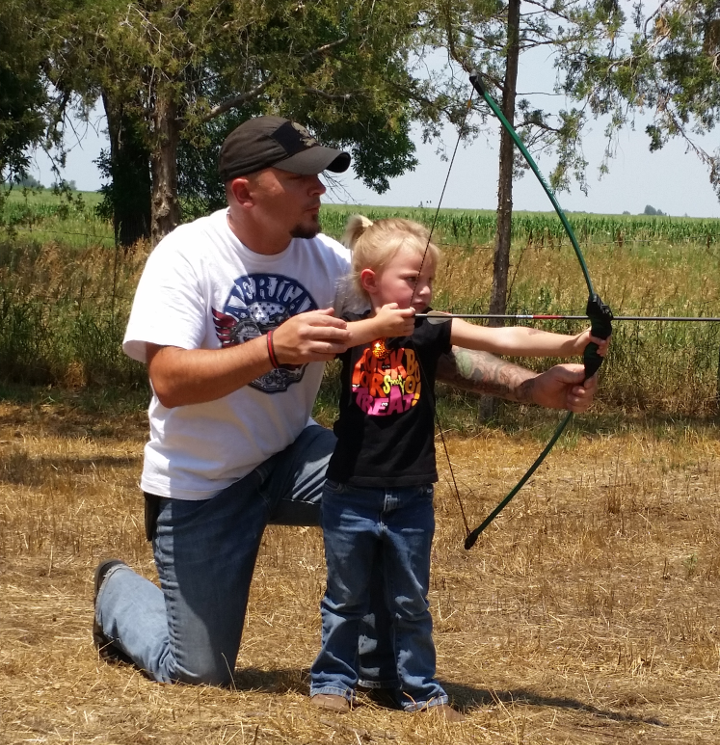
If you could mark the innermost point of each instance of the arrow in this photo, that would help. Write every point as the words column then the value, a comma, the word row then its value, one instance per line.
column 438, row 316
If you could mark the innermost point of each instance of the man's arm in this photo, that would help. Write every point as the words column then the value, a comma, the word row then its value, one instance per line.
column 193, row 376
column 560, row 387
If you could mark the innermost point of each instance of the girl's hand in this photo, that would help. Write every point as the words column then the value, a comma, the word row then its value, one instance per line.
column 394, row 321
column 585, row 338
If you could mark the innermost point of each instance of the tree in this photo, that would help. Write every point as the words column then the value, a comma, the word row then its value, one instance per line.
column 666, row 60
column 126, row 194
column 490, row 37
column 670, row 68
column 28, row 182
column 650, row 210
column 22, row 93
column 174, row 78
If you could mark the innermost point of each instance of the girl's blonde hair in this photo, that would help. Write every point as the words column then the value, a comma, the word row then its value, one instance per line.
column 374, row 244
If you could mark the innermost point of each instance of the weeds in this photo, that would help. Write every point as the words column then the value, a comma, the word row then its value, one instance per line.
column 64, row 305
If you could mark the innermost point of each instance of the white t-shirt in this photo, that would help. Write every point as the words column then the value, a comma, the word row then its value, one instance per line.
column 203, row 289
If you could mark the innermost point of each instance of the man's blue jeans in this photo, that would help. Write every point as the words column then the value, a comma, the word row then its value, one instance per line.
column 205, row 553
column 357, row 525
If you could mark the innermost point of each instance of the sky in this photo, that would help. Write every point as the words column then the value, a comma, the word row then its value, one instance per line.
column 671, row 180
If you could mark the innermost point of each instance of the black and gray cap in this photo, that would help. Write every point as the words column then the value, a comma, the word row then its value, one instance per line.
column 271, row 141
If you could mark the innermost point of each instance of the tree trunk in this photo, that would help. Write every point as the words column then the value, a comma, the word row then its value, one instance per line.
column 165, row 203
column 129, row 172
column 501, row 258
column 501, row 263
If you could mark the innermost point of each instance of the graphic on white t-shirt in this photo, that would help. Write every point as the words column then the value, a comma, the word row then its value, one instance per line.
column 256, row 304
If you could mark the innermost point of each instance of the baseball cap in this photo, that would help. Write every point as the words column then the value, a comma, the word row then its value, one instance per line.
column 271, row 141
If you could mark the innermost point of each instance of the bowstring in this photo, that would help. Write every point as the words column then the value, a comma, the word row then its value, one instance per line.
column 433, row 225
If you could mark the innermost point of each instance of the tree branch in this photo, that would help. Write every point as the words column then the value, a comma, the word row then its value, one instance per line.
column 331, row 96
column 236, row 101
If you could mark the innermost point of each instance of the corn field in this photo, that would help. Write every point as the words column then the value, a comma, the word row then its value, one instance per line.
column 65, row 293
column 477, row 227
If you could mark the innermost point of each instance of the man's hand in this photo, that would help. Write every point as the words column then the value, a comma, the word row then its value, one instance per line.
column 315, row 336
column 193, row 376
column 562, row 387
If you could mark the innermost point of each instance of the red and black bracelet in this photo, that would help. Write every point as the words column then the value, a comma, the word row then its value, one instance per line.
column 271, row 350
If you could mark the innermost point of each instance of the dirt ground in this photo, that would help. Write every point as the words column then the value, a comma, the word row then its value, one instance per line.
column 587, row 613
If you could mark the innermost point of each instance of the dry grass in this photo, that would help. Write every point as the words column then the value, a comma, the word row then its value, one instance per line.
column 587, row 613
column 647, row 282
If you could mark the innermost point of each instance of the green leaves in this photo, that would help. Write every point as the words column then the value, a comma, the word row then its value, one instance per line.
column 22, row 93
column 339, row 67
column 669, row 65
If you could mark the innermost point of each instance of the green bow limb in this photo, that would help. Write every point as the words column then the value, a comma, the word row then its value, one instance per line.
column 599, row 314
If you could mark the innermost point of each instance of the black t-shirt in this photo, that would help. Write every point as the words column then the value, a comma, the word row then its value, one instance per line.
column 386, row 428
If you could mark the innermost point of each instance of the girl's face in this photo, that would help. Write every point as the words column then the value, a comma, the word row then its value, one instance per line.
column 406, row 280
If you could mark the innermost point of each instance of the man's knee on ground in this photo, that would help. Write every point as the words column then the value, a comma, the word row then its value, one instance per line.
column 213, row 673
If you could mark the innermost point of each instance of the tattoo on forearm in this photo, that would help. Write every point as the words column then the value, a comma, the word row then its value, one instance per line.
column 524, row 392
column 481, row 372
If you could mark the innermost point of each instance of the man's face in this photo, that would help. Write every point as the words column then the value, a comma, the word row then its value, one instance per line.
column 289, row 201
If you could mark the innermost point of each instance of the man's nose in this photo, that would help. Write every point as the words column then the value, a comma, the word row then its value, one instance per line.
column 316, row 185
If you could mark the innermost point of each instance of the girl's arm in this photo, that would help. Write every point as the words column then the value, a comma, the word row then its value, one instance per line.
column 522, row 341
column 388, row 321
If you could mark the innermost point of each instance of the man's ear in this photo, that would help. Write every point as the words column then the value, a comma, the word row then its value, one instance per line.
column 239, row 188
column 368, row 281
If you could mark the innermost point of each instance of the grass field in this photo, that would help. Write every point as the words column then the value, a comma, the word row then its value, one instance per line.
column 66, row 290
column 588, row 613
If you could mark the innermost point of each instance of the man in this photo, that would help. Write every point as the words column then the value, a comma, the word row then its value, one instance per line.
column 234, row 318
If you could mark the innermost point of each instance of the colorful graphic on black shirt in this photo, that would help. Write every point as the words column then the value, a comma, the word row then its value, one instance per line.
column 388, row 383
column 256, row 304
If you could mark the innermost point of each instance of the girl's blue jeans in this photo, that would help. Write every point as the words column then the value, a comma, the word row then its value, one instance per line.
column 205, row 551
column 358, row 526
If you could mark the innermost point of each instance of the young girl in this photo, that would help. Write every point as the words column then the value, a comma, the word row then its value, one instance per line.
column 379, row 490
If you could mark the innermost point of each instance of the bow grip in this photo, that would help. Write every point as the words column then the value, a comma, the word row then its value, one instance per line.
column 600, row 317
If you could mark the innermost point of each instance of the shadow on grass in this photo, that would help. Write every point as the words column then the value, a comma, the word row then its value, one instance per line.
column 21, row 468
column 108, row 405
column 467, row 698
column 105, row 399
